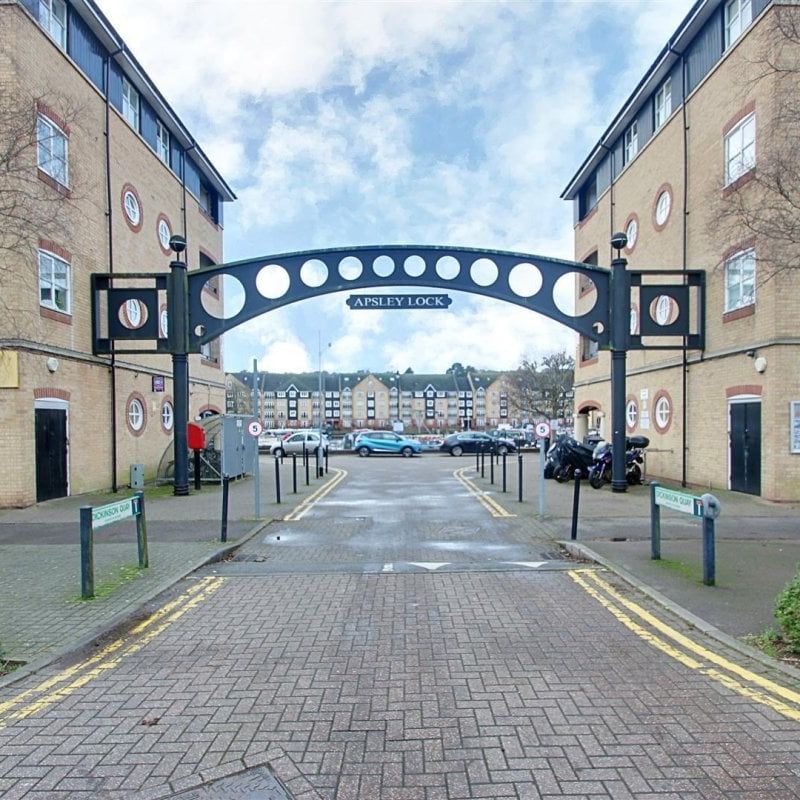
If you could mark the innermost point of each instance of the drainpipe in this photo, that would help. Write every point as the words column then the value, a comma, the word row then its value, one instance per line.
column 110, row 220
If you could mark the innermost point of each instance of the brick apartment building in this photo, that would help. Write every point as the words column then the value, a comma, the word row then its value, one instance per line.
column 696, row 139
column 423, row 403
column 110, row 173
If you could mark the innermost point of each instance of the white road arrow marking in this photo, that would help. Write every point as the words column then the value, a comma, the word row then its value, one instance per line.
column 429, row 564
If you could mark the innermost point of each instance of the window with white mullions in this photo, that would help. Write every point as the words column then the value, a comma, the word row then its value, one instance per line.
column 740, row 149
column 663, row 103
column 130, row 104
column 162, row 142
column 52, row 150
column 54, row 275
column 738, row 15
column 631, row 143
column 53, row 18
column 135, row 414
column 740, row 280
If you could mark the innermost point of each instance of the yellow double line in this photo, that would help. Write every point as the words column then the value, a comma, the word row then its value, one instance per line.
column 488, row 502
column 303, row 508
column 693, row 655
column 64, row 683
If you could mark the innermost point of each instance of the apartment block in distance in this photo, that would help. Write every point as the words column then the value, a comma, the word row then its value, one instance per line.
column 688, row 169
column 102, row 173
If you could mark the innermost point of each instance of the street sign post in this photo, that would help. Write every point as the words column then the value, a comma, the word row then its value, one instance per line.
column 542, row 434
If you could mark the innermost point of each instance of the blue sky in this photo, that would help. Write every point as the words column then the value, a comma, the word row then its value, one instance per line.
column 454, row 123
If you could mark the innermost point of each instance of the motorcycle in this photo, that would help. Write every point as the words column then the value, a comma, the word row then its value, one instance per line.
column 564, row 457
column 600, row 472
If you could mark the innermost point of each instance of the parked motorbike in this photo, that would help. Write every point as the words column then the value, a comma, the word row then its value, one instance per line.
column 566, row 455
column 600, row 471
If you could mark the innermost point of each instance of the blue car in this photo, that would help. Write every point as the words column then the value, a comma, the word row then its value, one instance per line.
column 385, row 442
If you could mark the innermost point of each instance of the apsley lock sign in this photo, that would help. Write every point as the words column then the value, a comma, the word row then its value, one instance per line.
column 385, row 301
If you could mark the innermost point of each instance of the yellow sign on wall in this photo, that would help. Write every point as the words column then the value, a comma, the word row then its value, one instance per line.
column 9, row 369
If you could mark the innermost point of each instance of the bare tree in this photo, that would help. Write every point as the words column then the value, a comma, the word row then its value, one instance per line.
column 30, row 207
column 538, row 389
column 768, row 206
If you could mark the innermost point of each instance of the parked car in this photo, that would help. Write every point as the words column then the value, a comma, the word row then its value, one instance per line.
column 371, row 442
column 297, row 442
column 473, row 441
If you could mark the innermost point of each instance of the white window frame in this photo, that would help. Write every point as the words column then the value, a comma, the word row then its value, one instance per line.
column 133, row 210
column 167, row 416
column 738, row 15
column 47, row 262
column 136, row 417
column 631, row 142
column 53, row 18
column 162, row 141
column 663, row 103
column 740, row 286
column 49, row 140
column 130, row 103
column 740, row 149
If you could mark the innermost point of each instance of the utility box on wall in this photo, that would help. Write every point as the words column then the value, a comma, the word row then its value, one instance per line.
column 137, row 476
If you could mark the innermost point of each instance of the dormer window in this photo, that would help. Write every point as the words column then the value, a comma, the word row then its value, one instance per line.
column 53, row 18
column 738, row 15
column 130, row 104
column 631, row 143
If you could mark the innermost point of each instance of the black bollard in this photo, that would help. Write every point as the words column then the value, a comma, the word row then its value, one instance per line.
column 305, row 461
column 576, row 499
column 504, row 472
column 483, row 462
column 277, row 481
column 326, row 460
column 519, row 475
column 223, row 536
column 294, row 473
column 196, row 470
column 477, row 459
column 491, row 468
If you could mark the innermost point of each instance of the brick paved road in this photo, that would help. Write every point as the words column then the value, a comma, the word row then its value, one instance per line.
column 478, row 677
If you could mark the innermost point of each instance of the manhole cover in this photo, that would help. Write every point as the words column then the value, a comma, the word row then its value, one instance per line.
column 253, row 784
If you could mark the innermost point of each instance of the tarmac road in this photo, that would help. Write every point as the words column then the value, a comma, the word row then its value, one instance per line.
column 402, row 633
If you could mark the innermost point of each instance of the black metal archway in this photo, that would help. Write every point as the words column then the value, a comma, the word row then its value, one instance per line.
column 133, row 307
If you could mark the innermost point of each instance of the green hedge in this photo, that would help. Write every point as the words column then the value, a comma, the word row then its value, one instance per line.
column 787, row 612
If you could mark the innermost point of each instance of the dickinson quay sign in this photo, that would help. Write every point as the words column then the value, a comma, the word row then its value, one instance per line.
column 383, row 301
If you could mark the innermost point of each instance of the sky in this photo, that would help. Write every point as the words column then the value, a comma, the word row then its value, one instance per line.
column 430, row 123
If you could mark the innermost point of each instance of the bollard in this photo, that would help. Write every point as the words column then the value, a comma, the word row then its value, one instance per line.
column 277, row 481
column 87, row 553
column 504, row 472
column 477, row 459
column 223, row 537
column 305, row 455
column 655, row 524
column 709, row 565
column 576, row 499
column 141, row 532
column 483, row 462
column 196, row 470
column 294, row 473
column 491, row 469
column 305, row 461
column 326, row 460
column 519, row 476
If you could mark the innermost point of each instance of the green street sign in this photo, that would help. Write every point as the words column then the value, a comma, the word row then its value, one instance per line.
column 679, row 501
column 113, row 512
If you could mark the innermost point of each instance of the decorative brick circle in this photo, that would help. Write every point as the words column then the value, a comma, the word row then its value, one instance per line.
column 161, row 220
column 130, row 189
column 138, row 397
column 632, row 218
column 661, row 402
column 665, row 187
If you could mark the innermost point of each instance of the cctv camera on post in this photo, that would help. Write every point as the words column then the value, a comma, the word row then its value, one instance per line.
column 619, row 241
column 177, row 244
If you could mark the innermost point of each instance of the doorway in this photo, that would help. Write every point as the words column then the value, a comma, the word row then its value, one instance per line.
column 745, row 446
column 52, row 478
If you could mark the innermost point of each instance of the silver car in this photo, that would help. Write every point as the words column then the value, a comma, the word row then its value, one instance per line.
column 297, row 442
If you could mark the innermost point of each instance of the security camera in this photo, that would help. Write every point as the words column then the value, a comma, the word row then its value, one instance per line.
column 177, row 243
column 619, row 240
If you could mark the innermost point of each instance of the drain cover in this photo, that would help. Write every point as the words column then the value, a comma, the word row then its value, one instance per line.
column 253, row 784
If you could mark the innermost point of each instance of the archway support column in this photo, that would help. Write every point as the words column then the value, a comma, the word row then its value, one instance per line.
column 178, row 334
column 620, row 323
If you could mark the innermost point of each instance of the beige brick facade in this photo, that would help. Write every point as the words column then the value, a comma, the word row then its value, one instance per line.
column 52, row 349
column 697, row 443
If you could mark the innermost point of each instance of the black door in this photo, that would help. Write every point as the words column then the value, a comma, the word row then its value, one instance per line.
column 51, row 453
column 746, row 447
